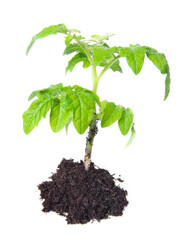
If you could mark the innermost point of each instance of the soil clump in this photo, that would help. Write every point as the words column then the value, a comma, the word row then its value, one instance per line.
column 82, row 196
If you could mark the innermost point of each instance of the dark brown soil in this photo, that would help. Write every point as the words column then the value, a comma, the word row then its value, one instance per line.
column 82, row 196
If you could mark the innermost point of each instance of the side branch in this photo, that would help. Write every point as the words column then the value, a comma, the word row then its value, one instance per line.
column 103, row 71
column 108, row 66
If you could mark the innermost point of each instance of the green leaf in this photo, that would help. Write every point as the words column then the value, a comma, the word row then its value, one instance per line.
column 52, row 91
column 133, row 134
column 68, row 39
column 88, row 92
column 125, row 121
column 59, row 115
column 44, row 93
column 72, row 48
column 37, row 110
column 83, row 106
column 98, row 38
column 103, row 106
column 167, row 85
column 55, row 90
column 82, row 115
column 32, row 95
column 157, row 58
column 116, row 67
column 57, row 87
column 68, row 124
column 64, row 102
column 95, row 97
column 80, row 57
column 101, row 109
column 135, row 56
column 100, row 53
column 111, row 114
column 54, row 29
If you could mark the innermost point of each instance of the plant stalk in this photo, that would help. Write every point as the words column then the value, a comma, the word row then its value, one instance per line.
column 89, row 143
column 93, row 124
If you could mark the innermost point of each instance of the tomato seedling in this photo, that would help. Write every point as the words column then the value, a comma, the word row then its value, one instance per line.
column 78, row 104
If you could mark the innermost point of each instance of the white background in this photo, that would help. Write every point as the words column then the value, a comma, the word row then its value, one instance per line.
column 154, row 167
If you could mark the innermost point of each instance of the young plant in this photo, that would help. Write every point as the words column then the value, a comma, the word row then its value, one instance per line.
column 78, row 104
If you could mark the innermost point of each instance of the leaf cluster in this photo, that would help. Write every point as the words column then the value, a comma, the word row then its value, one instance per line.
column 77, row 104
column 65, row 104
column 95, row 51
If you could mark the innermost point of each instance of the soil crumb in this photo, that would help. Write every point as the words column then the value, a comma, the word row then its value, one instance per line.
column 82, row 196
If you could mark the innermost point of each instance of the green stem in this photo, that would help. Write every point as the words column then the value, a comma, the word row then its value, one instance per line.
column 82, row 45
column 95, row 78
column 94, row 72
column 95, row 84
column 94, row 75
column 92, row 126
